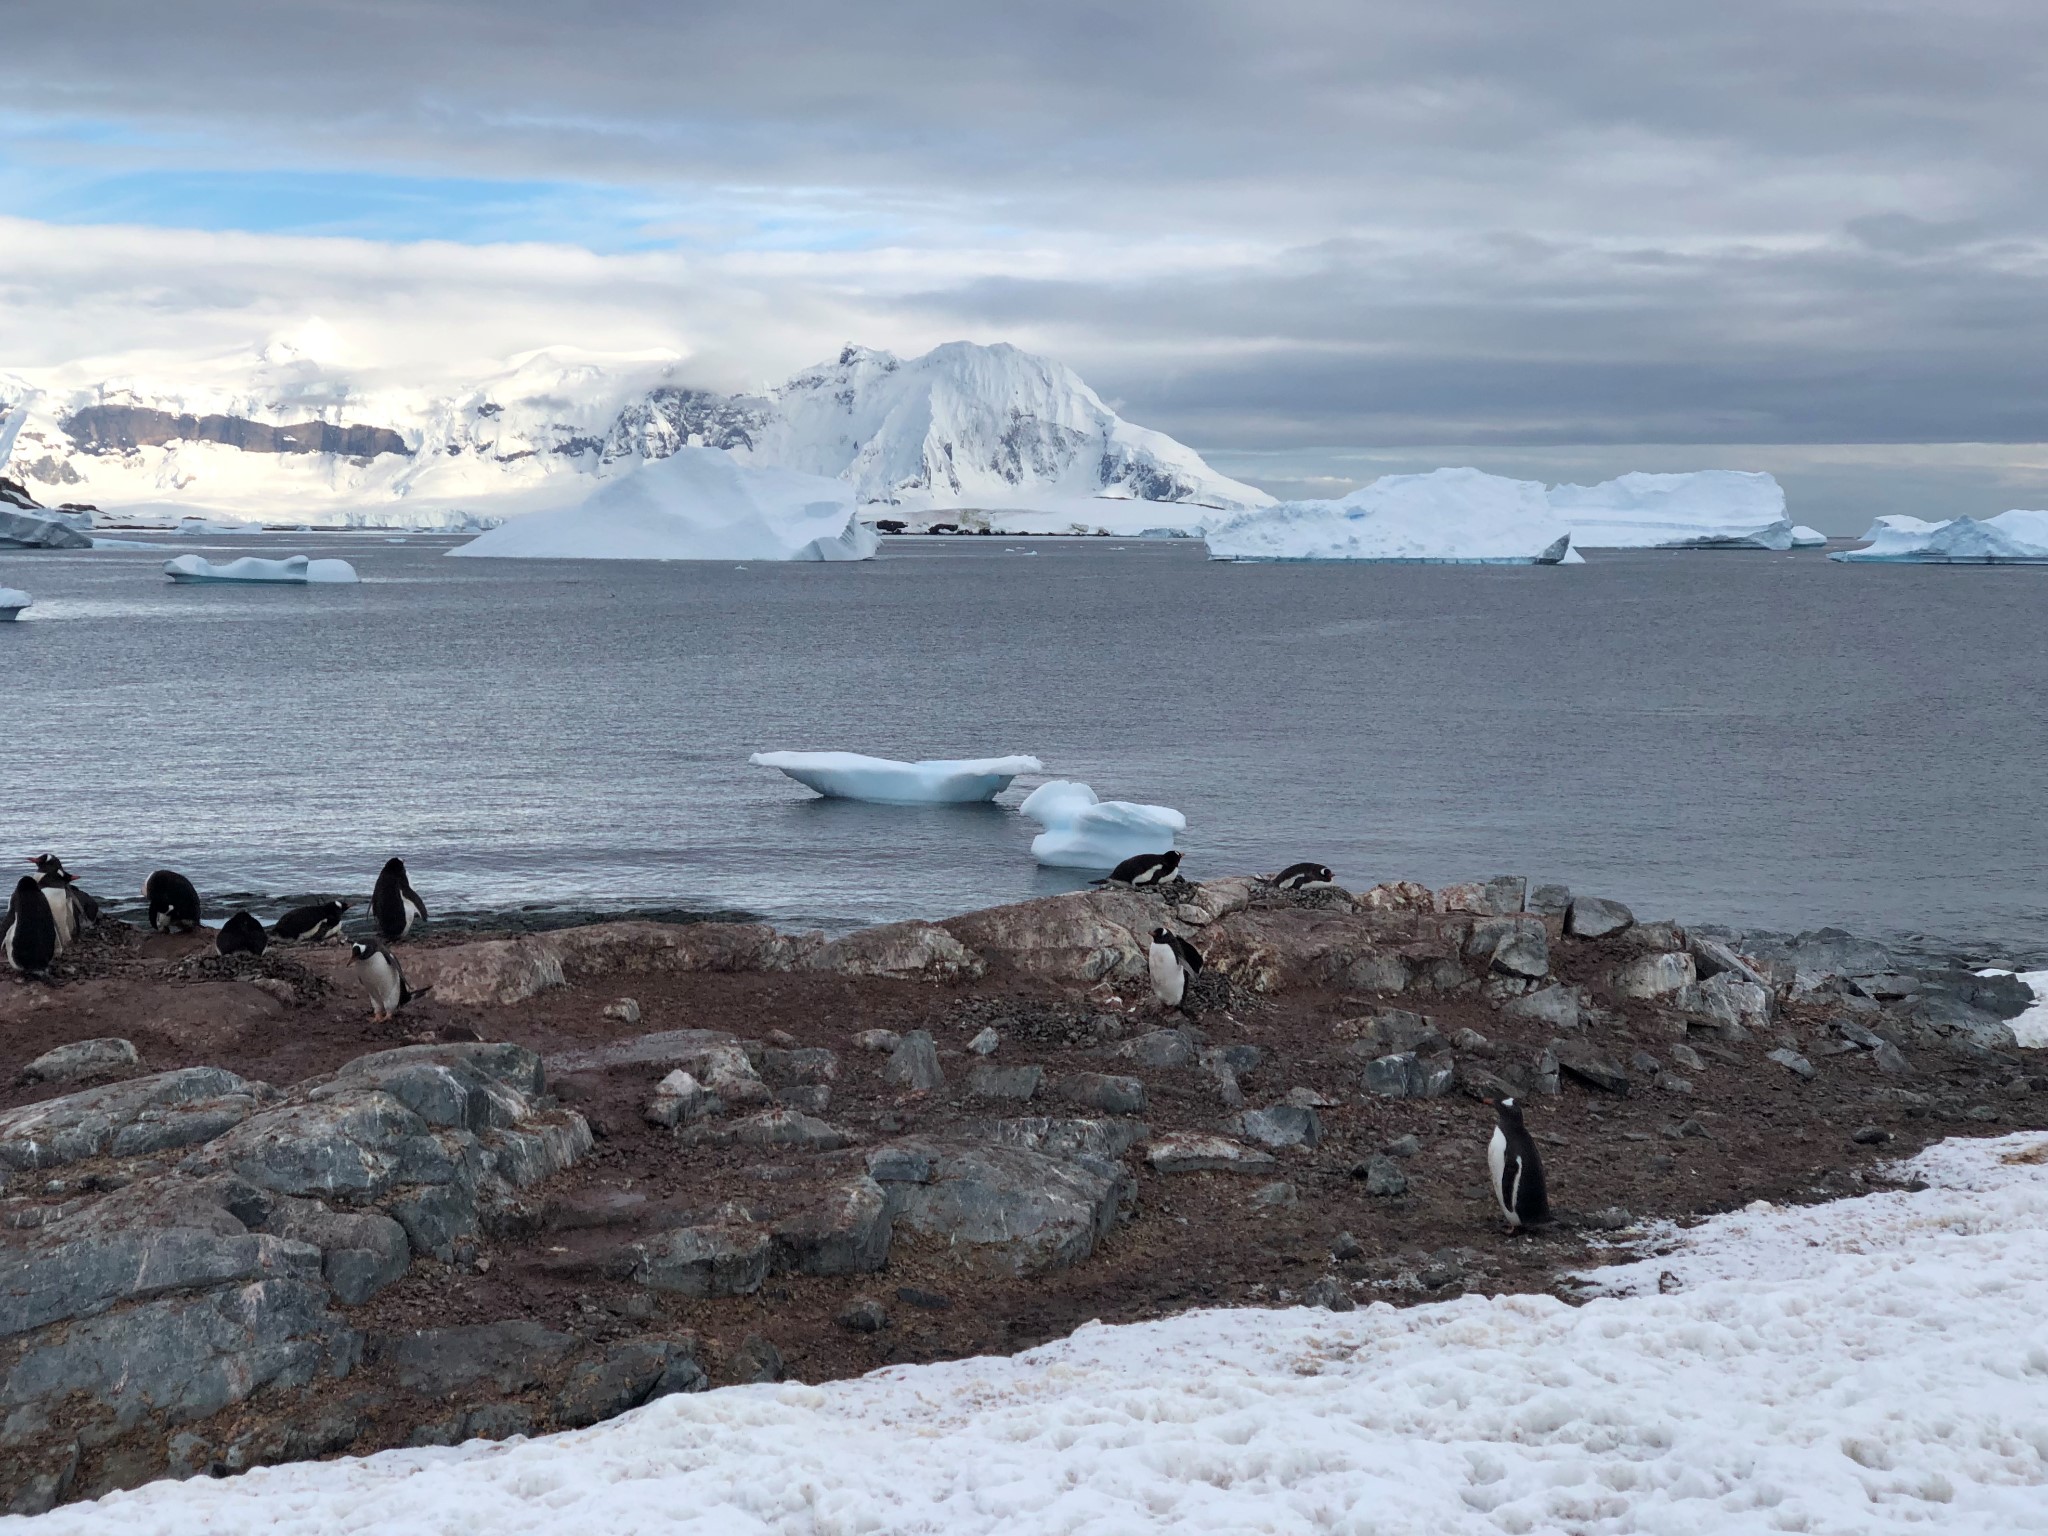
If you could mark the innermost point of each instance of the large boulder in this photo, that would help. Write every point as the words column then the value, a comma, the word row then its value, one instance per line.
column 83, row 1061
column 1270, row 950
column 1594, row 917
column 1010, row 1211
column 142, row 1116
column 492, row 972
column 1081, row 937
column 921, row 950
column 610, row 949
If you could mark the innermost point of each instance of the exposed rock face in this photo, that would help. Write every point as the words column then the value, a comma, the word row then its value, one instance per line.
column 492, row 972
column 1087, row 937
column 1193, row 1152
column 1591, row 917
column 607, row 949
column 83, row 1061
column 1012, row 1210
column 103, row 429
column 897, row 949
column 133, row 1119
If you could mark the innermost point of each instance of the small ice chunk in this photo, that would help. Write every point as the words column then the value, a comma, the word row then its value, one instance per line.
column 884, row 781
column 1804, row 537
column 2011, row 538
column 12, row 601
column 292, row 570
column 1082, row 832
column 1704, row 509
column 1446, row 517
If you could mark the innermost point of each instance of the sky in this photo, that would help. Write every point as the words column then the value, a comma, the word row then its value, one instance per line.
column 1316, row 239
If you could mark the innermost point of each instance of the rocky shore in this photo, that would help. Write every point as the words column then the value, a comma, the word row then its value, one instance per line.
column 239, row 1223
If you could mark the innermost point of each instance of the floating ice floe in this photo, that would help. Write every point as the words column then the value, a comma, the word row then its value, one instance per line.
column 39, row 530
column 292, row 570
column 1804, row 537
column 2011, row 538
column 697, row 504
column 1872, row 1365
column 1082, row 832
column 1446, row 517
column 1704, row 509
column 12, row 601
column 936, row 781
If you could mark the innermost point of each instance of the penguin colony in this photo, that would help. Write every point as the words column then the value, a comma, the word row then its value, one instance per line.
column 48, row 909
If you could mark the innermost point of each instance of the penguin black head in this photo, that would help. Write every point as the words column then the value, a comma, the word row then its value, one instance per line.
column 1161, row 936
column 1509, row 1111
column 50, row 865
column 361, row 951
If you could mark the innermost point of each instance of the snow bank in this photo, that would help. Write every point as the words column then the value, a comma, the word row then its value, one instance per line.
column 2011, row 538
column 2030, row 1029
column 697, row 504
column 1082, row 832
column 292, row 570
column 12, row 601
column 1706, row 509
column 935, row 781
column 1873, row 1367
column 1446, row 517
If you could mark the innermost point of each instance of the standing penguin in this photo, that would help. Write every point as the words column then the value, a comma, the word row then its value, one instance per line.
column 394, row 904
column 51, row 871
column 309, row 925
column 241, row 934
column 1516, row 1170
column 1144, row 869
column 1304, row 877
column 1174, row 963
column 378, row 970
column 173, row 903
column 29, row 939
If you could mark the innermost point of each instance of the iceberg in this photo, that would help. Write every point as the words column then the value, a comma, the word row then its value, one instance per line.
column 39, row 530
column 1804, row 537
column 1082, row 832
column 292, row 570
column 883, row 781
column 12, row 601
column 1705, row 509
column 2011, row 538
column 696, row 504
column 1446, row 517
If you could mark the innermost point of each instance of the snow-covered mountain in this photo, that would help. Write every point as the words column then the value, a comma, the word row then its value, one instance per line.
column 287, row 435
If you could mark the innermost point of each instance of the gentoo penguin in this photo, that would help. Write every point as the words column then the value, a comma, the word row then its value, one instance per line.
column 30, row 936
column 1516, row 1169
column 382, row 979
column 241, row 934
column 1173, row 963
column 395, row 904
column 173, row 904
column 1144, row 869
column 1304, row 877
column 51, row 870
column 309, row 925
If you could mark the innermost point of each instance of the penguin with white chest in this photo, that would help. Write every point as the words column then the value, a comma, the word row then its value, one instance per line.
column 1174, row 963
column 394, row 904
column 1144, row 869
column 172, row 900
column 72, row 907
column 29, row 939
column 378, row 970
column 1516, row 1170
column 310, row 924
column 1304, row 877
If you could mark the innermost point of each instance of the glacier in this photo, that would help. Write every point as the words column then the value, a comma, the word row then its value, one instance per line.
column 1445, row 517
column 696, row 504
column 1700, row 509
column 1083, row 832
column 292, row 570
column 884, row 781
column 2017, row 537
column 12, row 601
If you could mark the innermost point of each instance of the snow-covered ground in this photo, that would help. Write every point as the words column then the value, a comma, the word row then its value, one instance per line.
column 1703, row 509
column 1873, row 1366
column 1084, row 832
column 1448, row 516
column 884, row 781
column 2018, row 537
column 2030, row 1028
column 292, row 570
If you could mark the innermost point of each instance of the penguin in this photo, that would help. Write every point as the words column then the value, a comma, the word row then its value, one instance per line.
column 173, row 903
column 395, row 904
column 382, row 979
column 1304, row 877
column 1144, row 869
column 29, row 938
column 309, row 925
column 1173, row 962
column 1516, row 1170
column 241, row 934
column 51, row 870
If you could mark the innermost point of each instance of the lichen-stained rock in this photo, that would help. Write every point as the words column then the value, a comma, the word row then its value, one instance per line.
column 1214, row 899
column 1195, row 1152
column 1397, row 896
column 1084, row 936
column 1271, row 950
column 713, row 1259
column 1010, row 1211
column 141, row 1116
column 911, row 949
column 83, row 1061
column 844, row 1231
column 492, row 972
column 683, row 1048
column 1658, row 974
column 608, row 949
column 1513, row 946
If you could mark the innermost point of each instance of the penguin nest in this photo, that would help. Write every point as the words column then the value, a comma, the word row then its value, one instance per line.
column 1045, row 1023
column 1326, row 898
column 1209, row 992
column 285, row 980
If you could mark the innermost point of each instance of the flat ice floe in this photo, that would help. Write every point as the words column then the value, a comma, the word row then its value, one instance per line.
column 1082, row 832
column 2018, row 537
column 1874, row 1366
column 884, row 781
column 1446, row 517
column 696, row 504
column 292, row 570
column 12, row 601
column 1702, row 509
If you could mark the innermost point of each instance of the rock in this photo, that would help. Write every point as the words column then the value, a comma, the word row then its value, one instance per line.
column 1688, row 1058
column 1713, row 958
column 82, row 1061
column 901, row 1163
column 720, row 1259
column 1609, row 1218
column 1382, row 1175
column 685, row 1048
column 1686, row 1130
column 985, row 1043
column 877, row 1040
column 1469, row 897
column 1308, row 1098
column 1104, row 1141
column 1083, row 937
column 1671, row 1082
column 625, row 1011
column 798, row 1066
column 364, row 1251
column 929, row 1301
column 1890, row 1060
column 789, row 1128
column 910, row 949
column 1344, row 1247
column 1507, row 894
column 625, row 948
column 1195, row 1152
column 1553, row 1007
column 1730, row 1001
column 1870, row 1136
column 1645, row 1063
column 1791, row 1061
column 1512, row 946
column 1404, row 1146
column 993, row 1082
column 1010, row 1211
column 1389, row 1031
column 1551, row 900
column 507, row 1357
column 625, row 1375
column 864, row 1314
column 846, row 1231
column 1473, row 1041
column 1653, row 975
column 1406, row 1075
column 914, row 1064
column 1100, row 1090
column 1160, row 1048
column 679, row 1099
column 143, row 1115
column 1591, row 917
column 756, row 1361
column 491, row 972
column 1377, row 972
column 1272, row 1197
column 811, row 1098
column 1329, row 1293
column 1282, row 1125
column 1585, row 1061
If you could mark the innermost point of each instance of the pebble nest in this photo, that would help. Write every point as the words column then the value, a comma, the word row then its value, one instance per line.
column 286, row 980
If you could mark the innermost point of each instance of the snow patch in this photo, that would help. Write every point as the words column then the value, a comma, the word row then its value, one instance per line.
column 1446, row 517
column 2030, row 1029
column 292, row 570
column 884, row 781
column 1082, row 832
column 2018, row 537
column 1703, row 509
